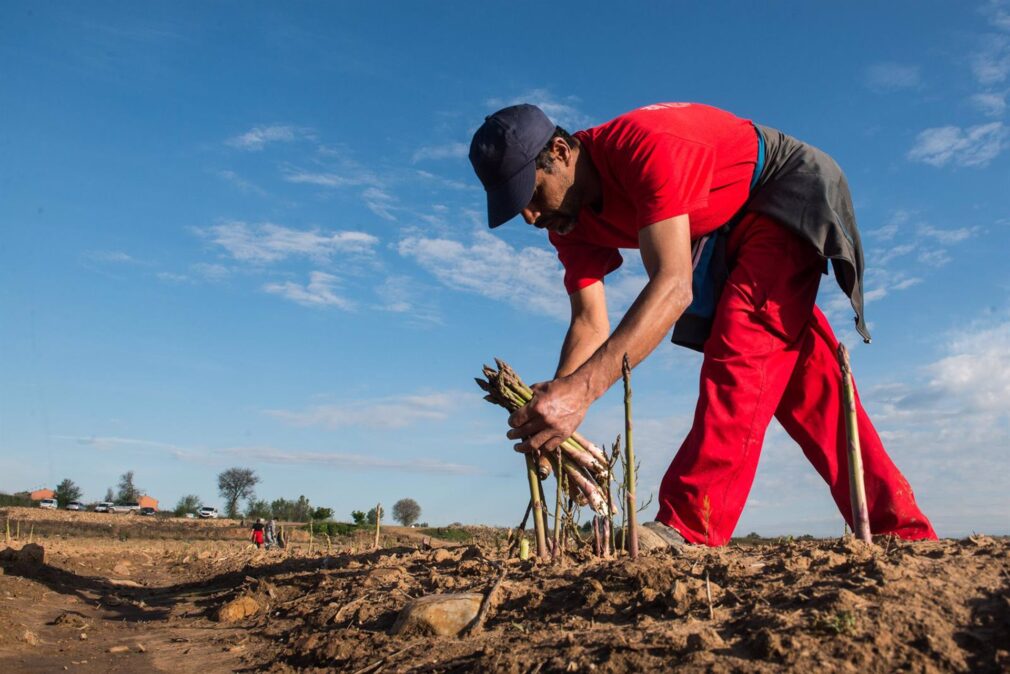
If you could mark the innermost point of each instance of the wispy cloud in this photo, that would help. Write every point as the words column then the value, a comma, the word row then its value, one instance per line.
column 110, row 443
column 406, row 296
column 972, row 146
column 445, row 151
column 267, row 242
column 259, row 137
column 110, row 257
column 528, row 279
column 991, row 63
column 353, row 461
column 380, row 202
column 887, row 77
column 320, row 291
column 329, row 179
column 992, row 104
column 382, row 413
column 240, row 182
column 562, row 111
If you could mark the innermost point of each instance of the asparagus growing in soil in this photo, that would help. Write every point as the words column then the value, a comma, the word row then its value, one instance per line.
column 584, row 465
column 629, row 470
column 857, row 487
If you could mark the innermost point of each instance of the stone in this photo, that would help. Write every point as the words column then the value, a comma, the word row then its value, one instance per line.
column 705, row 639
column 123, row 568
column 119, row 649
column 31, row 554
column 30, row 638
column 441, row 555
column 443, row 615
column 238, row 609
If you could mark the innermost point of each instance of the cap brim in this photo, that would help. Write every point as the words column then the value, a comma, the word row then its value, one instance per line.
column 507, row 200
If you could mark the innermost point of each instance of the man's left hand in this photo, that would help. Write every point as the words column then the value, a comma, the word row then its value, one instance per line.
column 554, row 413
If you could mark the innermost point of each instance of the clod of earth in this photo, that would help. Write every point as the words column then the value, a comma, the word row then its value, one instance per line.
column 238, row 609
column 438, row 614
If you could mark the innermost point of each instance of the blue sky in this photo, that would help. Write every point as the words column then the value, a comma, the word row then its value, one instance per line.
column 247, row 234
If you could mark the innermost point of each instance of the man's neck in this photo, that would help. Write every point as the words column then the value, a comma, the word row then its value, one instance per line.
column 588, row 180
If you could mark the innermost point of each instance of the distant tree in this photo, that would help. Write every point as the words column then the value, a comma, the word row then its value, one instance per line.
column 371, row 515
column 258, row 509
column 406, row 511
column 128, row 492
column 303, row 510
column 189, row 503
column 234, row 485
column 109, row 495
column 322, row 513
column 66, row 492
column 283, row 509
column 358, row 516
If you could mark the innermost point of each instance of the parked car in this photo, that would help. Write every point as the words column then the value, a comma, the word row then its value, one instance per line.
column 48, row 503
column 190, row 516
column 125, row 508
column 208, row 512
column 148, row 510
column 104, row 507
column 75, row 505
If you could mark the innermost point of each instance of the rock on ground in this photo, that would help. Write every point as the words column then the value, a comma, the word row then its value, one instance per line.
column 438, row 614
column 238, row 609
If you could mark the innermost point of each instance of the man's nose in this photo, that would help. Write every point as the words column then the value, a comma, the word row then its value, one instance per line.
column 530, row 214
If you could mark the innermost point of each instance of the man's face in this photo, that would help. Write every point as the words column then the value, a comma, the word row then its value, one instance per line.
column 555, row 204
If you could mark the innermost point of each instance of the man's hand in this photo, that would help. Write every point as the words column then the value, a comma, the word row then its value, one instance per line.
column 554, row 413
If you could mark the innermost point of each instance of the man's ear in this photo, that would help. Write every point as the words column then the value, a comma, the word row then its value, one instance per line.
column 562, row 150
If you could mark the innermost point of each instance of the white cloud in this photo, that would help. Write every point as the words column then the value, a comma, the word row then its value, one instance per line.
column 529, row 279
column 947, row 235
column 353, row 461
column 240, row 182
column 998, row 14
column 111, row 257
column 382, row 413
column 267, row 242
column 380, row 202
column 325, row 179
column 258, row 137
column 991, row 64
column 990, row 103
column 404, row 295
column 563, row 112
column 884, row 77
column 211, row 272
column 111, row 443
column 319, row 292
column 973, row 146
column 446, row 151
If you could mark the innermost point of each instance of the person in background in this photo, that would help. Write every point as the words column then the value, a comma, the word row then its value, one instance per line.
column 270, row 533
column 257, row 532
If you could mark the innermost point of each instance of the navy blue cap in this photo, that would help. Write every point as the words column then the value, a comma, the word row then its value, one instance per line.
column 503, row 152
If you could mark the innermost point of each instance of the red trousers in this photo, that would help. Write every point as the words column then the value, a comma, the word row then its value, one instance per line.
column 772, row 352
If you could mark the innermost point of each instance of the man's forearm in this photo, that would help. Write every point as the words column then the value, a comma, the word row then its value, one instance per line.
column 653, row 314
column 581, row 342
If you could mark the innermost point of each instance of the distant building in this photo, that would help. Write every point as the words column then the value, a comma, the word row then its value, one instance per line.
column 148, row 502
column 40, row 494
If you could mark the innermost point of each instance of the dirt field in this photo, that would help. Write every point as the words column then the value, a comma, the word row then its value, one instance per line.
column 141, row 597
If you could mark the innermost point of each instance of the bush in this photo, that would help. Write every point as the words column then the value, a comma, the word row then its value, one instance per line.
column 449, row 533
column 333, row 528
column 19, row 499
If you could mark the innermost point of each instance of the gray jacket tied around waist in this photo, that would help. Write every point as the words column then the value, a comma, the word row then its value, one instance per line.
column 804, row 189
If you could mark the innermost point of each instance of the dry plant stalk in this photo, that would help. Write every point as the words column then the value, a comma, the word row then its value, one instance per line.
column 580, row 467
column 378, row 520
column 857, row 487
column 629, row 468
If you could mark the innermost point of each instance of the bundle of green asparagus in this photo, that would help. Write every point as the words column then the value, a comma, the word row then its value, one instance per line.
column 584, row 464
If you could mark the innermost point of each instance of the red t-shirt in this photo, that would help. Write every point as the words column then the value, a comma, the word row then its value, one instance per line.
column 655, row 163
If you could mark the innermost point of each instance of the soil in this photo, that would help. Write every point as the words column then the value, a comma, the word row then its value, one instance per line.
column 126, row 603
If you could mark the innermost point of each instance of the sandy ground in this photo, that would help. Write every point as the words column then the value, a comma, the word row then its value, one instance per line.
column 126, row 603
